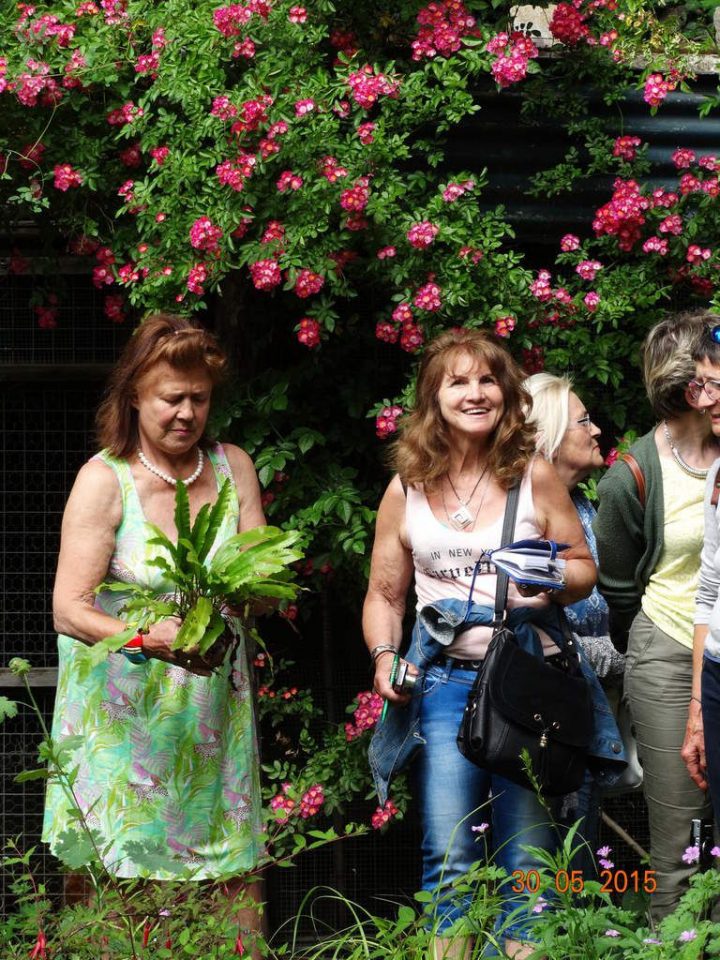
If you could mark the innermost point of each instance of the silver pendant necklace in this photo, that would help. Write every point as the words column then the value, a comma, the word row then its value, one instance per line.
column 462, row 517
column 692, row 471
column 166, row 476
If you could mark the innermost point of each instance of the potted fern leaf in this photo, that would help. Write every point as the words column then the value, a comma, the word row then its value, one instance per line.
column 247, row 567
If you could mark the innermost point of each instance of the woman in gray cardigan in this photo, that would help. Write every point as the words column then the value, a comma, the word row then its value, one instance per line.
column 649, row 544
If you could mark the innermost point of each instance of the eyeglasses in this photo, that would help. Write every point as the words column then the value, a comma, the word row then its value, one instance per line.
column 585, row 422
column 711, row 388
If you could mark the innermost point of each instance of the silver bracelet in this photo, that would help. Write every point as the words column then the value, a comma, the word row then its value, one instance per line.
column 382, row 648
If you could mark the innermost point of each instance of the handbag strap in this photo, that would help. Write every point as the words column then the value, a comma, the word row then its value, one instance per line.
column 506, row 537
column 508, row 531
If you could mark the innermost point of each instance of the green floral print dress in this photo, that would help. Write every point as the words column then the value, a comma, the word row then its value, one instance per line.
column 166, row 761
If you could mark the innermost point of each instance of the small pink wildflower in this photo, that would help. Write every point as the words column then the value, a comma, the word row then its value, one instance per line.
column 65, row 177
column 422, row 234
column 303, row 107
column 456, row 189
column 588, row 269
column 691, row 855
column 568, row 25
column 480, row 828
column 383, row 815
column 223, row 108
column 159, row 154
column 131, row 156
column 504, row 326
column 411, row 338
column 569, row 243
column 309, row 333
column 403, row 314
column 113, row 307
column 656, row 245
column 612, row 933
column 591, row 301
column 672, row 224
column 697, row 254
column 205, row 235
column 387, row 332
column 683, row 158
column 385, row 424
column 265, row 274
column 369, row 704
column 656, row 89
column 288, row 181
column 626, row 147
column 308, row 283
column 197, row 276
column 366, row 132
column 611, row 456
column 541, row 287
column 386, row 252
column 428, row 297
column 708, row 163
column 297, row 15
column 356, row 198
column 311, row 801
column 367, row 86
column 331, row 169
column 687, row 935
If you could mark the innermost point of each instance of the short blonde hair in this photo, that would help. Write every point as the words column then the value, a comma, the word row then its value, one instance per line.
column 667, row 359
column 550, row 411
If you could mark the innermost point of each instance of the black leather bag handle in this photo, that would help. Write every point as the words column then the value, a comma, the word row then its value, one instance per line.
column 508, row 532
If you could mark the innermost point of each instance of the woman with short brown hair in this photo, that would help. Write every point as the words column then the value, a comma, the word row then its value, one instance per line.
column 164, row 745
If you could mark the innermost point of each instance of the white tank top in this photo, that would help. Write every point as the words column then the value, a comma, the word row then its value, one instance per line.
column 445, row 558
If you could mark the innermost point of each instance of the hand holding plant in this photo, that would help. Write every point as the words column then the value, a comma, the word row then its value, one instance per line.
column 211, row 592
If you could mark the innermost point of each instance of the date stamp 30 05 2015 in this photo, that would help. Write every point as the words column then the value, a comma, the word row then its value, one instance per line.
column 573, row 881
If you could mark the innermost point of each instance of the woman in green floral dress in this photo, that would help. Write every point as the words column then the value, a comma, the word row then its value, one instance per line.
column 166, row 754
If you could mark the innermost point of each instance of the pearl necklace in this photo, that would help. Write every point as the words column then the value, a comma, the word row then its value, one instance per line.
column 166, row 476
column 692, row 471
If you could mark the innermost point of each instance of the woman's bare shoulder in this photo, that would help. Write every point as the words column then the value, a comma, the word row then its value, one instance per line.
column 96, row 493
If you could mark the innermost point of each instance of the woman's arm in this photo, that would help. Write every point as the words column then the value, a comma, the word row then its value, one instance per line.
column 391, row 571
column 558, row 520
column 620, row 537
column 92, row 516
column 693, row 748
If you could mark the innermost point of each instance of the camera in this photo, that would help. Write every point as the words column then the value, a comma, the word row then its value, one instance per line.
column 701, row 836
column 404, row 681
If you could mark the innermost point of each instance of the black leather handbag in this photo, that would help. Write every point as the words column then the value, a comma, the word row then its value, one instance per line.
column 519, row 702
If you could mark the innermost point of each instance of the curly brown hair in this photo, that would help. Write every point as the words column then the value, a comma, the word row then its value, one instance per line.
column 421, row 454
column 161, row 338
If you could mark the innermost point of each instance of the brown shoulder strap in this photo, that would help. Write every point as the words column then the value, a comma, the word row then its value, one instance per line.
column 716, row 489
column 636, row 471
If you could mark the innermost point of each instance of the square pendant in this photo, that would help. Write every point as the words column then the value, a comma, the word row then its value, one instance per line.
column 462, row 517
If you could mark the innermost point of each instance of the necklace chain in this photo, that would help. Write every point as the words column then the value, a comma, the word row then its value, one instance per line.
column 463, row 519
column 692, row 471
column 460, row 499
column 166, row 476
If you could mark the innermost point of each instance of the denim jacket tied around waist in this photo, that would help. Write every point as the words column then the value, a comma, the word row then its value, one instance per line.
column 396, row 740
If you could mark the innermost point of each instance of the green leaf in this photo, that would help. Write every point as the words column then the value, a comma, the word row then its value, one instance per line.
column 8, row 709
column 75, row 848
column 217, row 515
column 194, row 625
column 214, row 629
column 38, row 774
column 182, row 522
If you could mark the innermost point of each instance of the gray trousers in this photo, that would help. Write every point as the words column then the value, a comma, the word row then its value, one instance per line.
column 658, row 682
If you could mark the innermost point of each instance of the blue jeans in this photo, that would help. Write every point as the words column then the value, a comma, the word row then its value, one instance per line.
column 711, row 724
column 451, row 789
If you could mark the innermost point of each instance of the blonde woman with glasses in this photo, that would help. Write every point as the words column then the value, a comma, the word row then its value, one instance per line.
column 649, row 544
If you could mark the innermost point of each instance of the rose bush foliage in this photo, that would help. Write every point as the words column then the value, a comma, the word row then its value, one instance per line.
column 291, row 160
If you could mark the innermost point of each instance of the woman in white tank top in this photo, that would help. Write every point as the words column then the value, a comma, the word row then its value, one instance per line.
column 460, row 449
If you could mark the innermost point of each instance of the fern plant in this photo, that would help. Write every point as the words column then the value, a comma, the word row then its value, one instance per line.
column 254, row 565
